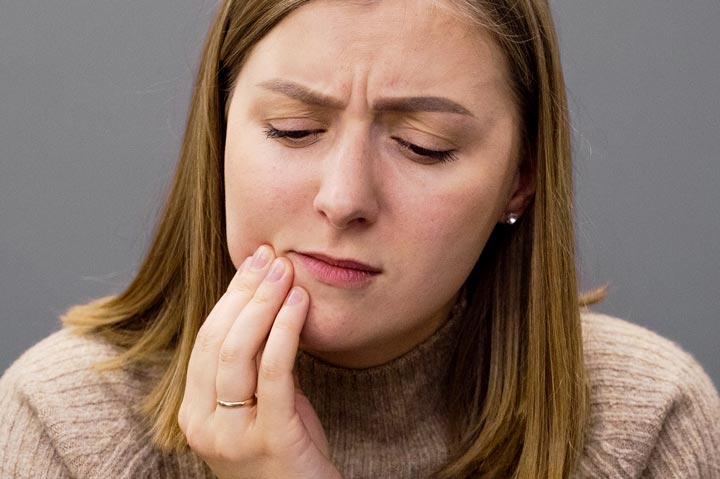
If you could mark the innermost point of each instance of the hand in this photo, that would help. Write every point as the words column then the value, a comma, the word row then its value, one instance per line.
column 280, row 436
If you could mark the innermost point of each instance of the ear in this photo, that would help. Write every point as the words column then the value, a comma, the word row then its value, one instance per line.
column 522, row 192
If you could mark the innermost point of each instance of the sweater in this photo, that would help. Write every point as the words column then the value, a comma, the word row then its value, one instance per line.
column 654, row 412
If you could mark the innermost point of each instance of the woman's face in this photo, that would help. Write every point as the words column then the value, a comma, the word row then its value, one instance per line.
column 382, row 133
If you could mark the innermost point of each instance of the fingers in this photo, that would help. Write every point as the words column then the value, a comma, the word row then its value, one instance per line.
column 237, row 371
column 248, row 344
column 256, row 313
column 276, row 383
column 202, row 368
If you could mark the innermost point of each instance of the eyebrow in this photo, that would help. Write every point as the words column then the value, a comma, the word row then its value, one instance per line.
column 404, row 104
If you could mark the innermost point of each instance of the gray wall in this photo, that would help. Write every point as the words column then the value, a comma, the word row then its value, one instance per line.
column 93, row 98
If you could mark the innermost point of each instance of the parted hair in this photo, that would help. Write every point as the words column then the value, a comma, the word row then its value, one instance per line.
column 517, row 389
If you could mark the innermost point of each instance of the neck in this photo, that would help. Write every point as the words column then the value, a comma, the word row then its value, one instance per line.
column 373, row 355
column 377, row 412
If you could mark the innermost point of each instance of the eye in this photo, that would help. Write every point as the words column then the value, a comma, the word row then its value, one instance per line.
column 293, row 137
column 426, row 156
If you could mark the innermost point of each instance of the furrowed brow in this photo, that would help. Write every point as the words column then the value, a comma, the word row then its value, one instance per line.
column 421, row 104
column 301, row 93
column 408, row 104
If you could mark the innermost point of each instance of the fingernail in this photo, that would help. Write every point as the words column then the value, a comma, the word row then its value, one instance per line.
column 277, row 270
column 260, row 258
column 294, row 297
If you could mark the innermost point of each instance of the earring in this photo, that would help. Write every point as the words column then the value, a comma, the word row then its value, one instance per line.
column 511, row 218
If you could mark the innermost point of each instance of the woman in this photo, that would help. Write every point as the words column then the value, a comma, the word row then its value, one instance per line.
column 364, row 268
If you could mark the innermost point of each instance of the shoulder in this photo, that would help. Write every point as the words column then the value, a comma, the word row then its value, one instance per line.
column 654, row 411
column 62, row 367
column 86, row 415
column 615, row 349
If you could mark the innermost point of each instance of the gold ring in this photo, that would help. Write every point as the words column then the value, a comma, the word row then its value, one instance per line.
column 248, row 402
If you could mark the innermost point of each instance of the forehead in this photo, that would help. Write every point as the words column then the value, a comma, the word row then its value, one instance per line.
column 388, row 47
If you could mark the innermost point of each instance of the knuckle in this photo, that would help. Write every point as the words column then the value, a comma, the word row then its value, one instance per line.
column 229, row 354
column 227, row 454
column 199, row 446
column 207, row 339
column 242, row 286
column 227, row 448
column 261, row 297
column 219, row 445
column 271, row 370
column 283, row 326
column 197, row 439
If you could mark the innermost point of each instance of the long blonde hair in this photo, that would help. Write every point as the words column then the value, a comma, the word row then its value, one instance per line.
column 517, row 391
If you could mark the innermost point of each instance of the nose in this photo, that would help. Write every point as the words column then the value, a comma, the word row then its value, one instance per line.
column 347, row 194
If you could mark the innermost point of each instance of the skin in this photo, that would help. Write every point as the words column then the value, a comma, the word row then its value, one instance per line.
column 355, row 182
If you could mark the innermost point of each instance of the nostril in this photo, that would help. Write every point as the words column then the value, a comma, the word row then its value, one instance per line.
column 344, row 207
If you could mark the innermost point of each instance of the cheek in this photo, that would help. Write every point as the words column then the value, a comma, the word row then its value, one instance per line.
column 459, row 217
column 259, row 197
column 450, row 230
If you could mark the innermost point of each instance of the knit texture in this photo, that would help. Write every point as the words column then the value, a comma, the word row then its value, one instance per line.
column 654, row 412
column 388, row 421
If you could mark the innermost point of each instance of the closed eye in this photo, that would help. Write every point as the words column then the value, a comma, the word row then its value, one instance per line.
column 272, row 132
column 423, row 155
column 431, row 156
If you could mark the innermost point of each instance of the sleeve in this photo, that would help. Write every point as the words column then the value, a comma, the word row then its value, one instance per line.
column 26, row 451
column 688, row 443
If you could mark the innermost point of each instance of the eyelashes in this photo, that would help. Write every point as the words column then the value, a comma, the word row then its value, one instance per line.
column 299, row 138
column 272, row 132
column 440, row 156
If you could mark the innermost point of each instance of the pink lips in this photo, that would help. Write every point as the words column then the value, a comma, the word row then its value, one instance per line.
column 337, row 272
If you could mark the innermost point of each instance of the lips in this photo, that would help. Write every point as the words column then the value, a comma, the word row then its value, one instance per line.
column 336, row 272
column 343, row 263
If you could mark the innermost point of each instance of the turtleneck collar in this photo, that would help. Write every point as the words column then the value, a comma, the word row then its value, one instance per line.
column 389, row 420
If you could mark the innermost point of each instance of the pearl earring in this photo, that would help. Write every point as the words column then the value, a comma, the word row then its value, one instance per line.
column 511, row 218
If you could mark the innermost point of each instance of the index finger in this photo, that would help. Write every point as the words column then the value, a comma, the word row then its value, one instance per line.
column 202, row 367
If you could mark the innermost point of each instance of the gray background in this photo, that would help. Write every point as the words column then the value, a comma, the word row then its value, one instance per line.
column 93, row 97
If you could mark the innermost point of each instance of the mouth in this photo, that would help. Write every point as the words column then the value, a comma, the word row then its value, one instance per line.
column 343, row 263
column 338, row 272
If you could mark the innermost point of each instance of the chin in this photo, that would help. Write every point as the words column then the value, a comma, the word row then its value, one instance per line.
column 330, row 329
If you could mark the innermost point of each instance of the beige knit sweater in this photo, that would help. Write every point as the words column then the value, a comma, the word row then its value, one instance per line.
column 655, row 413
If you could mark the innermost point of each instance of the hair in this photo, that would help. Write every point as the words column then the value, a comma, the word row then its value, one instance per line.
column 519, row 396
